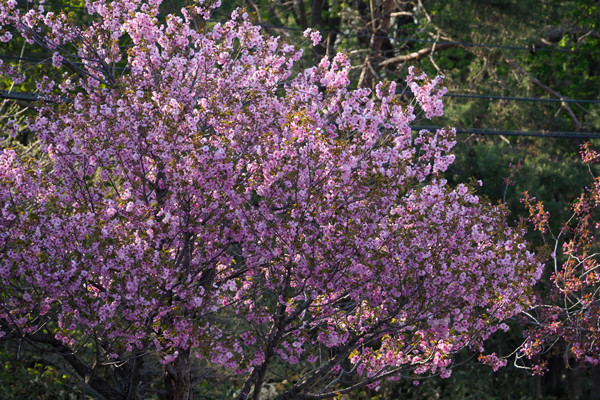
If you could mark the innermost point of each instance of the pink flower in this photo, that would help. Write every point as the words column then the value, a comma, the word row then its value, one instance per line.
column 315, row 36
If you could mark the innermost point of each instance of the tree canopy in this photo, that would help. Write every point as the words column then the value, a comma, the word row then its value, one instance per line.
column 193, row 196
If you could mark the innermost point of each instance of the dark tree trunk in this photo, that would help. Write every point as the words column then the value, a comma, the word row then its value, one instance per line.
column 380, row 25
column 574, row 383
column 178, row 378
column 316, row 19
column 595, row 375
column 537, row 387
column 300, row 11
column 127, row 377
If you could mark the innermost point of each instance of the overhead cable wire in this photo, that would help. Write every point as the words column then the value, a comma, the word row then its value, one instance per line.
column 454, row 95
column 532, row 48
column 48, row 60
column 508, row 132
column 514, row 98
column 509, row 98
column 28, row 96
column 24, row 96
column 477, row 96
column 25, row 3
column 407, row 39
column 16, row 58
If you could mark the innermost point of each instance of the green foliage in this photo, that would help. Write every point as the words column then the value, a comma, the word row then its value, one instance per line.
column 32, row 377
column 552, row 173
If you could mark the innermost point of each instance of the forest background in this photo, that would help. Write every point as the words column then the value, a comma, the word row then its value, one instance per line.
column 523, row 84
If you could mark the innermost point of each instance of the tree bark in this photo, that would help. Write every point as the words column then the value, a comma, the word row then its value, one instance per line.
column 595, row 374
column 574, row 384
column 88, row 374
column 316, row 20
column 300, row 11
column 417, row 55
column 178, row 377
column 380, row 26
column 127, row 377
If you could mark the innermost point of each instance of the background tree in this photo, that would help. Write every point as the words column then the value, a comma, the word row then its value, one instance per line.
column 568, row 317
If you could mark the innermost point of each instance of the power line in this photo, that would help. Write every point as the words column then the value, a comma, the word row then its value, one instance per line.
column 510, row 98
column 406, row 39
column 26, row 3
column 507, row 132
column 48, row 60
column 456, row 95
column 40, row 60
column 534, row 99
column 28, row 96
column 532, row 48
column 22, row 96
column 25, row 96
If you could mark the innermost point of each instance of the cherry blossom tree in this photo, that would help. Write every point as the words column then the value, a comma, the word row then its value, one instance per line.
column 196, row 196
column 568, row 313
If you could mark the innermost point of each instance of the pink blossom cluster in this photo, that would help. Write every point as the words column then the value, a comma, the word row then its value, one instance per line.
column 427, row 94
column 213, row 181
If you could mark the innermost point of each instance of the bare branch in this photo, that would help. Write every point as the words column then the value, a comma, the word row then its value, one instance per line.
column 89, row 375
column 517, row 68
column 401, row 14
column 417, row 55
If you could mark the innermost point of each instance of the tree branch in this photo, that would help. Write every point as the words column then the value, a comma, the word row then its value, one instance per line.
column 417, row 55
column 556, row 34
column 89, row 375
column 300, row 12
column 380, row 27
column 517, row 68
column 401, row 14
